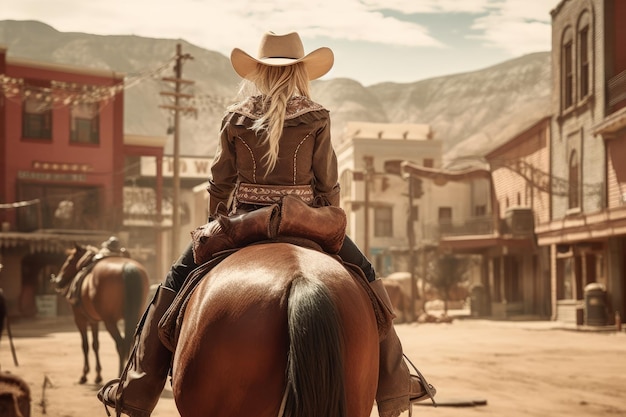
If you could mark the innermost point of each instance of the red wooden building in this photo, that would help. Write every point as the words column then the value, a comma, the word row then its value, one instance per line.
column 62, row 169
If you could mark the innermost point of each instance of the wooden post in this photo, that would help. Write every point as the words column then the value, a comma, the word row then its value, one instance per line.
column 177, row 95
column 410, row 232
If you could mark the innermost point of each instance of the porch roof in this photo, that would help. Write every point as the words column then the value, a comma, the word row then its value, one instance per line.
column 481, row 243
column 51, row 240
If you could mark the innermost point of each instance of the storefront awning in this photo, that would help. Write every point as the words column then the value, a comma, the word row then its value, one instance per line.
column 480, row 243
column 51, row 240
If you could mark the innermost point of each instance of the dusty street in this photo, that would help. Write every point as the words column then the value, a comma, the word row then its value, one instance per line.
column 520, row 369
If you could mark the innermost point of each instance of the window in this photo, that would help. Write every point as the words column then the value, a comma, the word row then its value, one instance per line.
column 480, row 210
column 36, row 119
column 445, row 214
column 85, row 123
column 584, row 61
column 383, row 222
column 62, row 207
column 445, row 219
column 574, row 185
column 568, row 76
column 429, row 163
column 346, row 183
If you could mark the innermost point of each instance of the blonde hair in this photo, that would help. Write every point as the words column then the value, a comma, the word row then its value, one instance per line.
column 276, row 84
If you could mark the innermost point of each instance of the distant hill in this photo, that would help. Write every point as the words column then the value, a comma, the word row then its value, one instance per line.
column 470, row 112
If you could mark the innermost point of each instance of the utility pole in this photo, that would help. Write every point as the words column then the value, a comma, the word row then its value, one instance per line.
column 414, row 191
column 177, row 108
column 410, row 231
column 369, row 176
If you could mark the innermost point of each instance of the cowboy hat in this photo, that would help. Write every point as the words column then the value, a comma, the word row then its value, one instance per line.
column 283, row 50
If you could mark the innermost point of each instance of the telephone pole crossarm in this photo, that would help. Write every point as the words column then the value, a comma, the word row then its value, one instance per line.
column 179, row 80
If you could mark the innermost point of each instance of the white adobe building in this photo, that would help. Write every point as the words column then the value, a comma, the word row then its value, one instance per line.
column 382, row 229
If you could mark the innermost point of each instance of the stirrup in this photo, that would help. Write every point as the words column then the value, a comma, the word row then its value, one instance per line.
column 430, row 390
column 107, row 401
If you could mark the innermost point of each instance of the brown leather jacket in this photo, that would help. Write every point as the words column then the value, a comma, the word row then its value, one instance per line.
column 306, row 155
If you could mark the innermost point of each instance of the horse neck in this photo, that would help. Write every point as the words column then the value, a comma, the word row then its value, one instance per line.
column 70, row 273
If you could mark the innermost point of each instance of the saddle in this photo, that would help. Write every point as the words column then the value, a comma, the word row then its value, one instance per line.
column 292, row 217
column 84, row 265
column 291, row 221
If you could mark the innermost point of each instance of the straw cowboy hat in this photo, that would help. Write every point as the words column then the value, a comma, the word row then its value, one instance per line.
column 283, row 50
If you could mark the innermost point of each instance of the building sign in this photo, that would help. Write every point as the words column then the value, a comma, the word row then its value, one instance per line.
column 61, row 166
column 190, row 167
column 49, row 176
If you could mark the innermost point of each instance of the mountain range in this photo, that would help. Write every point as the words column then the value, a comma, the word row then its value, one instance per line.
column 471, row 113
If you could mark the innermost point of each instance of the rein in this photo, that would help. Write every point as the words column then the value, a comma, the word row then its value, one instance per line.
column 281, row 410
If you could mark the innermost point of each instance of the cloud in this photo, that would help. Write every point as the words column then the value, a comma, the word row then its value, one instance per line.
column 399, row 29
column 430, row 6
column 517, row 27
column 220, row 25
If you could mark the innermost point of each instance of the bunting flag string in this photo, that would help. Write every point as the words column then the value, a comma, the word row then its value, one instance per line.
column 62, row 94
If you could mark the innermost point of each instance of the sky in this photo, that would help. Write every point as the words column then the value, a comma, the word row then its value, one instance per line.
column 374, row 41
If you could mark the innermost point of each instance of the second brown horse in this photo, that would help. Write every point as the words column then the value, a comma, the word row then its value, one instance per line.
column 114, row 289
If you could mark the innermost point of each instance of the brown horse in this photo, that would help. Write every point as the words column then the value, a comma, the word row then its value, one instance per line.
column 114, row 289
column 277, row 330
column 399, row 299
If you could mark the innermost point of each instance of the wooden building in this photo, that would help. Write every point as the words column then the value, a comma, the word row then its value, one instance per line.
column 62, row 170
column 587, row 230
column 508, row 194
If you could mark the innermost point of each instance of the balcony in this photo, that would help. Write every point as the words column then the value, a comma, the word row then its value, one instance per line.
column 50, row 214
column 472, row 226
column 518, row 222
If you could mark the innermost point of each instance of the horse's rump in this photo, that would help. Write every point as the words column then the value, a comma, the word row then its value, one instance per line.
column 234, row 344
column 109, row 278
column 169, row 326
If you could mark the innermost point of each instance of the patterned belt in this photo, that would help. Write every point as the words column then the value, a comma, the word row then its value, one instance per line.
column 262, row 194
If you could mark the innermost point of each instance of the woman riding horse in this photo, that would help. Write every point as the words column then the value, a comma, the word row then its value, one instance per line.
column 275, row 142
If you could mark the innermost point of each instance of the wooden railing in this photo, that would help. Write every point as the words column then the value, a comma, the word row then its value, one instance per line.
column 482, row 225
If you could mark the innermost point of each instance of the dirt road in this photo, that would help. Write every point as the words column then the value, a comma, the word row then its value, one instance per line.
column 519, row 369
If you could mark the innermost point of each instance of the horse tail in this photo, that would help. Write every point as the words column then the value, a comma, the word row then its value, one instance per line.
column 133, row 301
column 315, row 372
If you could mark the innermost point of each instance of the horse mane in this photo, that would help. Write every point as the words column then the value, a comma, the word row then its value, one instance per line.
column 91, row 248
column 86, row 258
column 87, row 248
